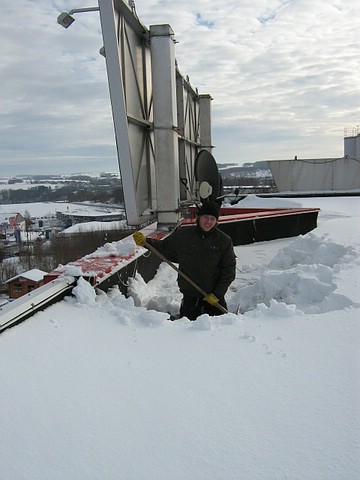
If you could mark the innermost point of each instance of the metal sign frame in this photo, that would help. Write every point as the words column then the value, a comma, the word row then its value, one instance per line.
column 160, row 121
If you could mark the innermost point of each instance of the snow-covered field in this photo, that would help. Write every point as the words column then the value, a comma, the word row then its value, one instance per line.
column 95, row 387
column 49, row 209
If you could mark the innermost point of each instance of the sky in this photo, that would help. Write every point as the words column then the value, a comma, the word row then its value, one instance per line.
column 283, row 75
column 99, row 386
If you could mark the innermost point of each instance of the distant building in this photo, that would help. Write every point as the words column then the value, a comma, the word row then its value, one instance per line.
column 89, row 215
column 352, row 143
column 25, row 282
column 10, row 221
column 321, row 174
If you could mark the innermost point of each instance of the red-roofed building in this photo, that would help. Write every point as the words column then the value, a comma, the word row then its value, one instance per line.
column 25, row 282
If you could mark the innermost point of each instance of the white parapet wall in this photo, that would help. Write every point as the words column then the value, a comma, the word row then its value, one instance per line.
column 323, row 174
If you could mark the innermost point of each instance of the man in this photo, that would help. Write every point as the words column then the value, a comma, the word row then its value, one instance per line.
column 206, row 255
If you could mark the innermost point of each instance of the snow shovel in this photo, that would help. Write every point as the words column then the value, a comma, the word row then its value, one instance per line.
column 182, row 274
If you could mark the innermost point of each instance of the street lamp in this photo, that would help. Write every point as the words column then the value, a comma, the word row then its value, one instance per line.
column 65, row 19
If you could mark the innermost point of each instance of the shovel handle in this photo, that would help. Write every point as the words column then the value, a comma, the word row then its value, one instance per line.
column 182, row 274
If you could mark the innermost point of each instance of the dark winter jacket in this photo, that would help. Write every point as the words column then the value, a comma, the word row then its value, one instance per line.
column 207, row 258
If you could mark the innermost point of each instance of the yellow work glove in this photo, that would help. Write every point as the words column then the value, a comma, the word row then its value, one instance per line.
column 139, row 238
column 211, row 299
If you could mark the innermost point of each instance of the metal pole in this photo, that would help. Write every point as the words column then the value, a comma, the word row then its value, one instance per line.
column 82, row 10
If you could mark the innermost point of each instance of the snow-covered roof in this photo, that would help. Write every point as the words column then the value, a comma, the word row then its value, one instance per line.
column 34, row 274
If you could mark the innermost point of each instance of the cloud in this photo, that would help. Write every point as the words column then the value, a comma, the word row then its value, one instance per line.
column 283, row 75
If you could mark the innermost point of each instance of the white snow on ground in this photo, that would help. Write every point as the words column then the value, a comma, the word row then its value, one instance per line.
column 95, row 387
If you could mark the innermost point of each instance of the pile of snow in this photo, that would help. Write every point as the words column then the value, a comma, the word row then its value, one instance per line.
column 253, row 201
column 121, row 247
column 96, row 387
column 305, row 274
column 95, row 227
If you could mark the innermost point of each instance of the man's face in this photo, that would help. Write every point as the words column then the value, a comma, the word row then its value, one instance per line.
column 207, row 222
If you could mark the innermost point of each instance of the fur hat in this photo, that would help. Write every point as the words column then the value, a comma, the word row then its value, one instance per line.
column 210, row 208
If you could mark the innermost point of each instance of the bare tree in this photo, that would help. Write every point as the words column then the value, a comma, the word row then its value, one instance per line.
column 7, row 271
column 2, row 253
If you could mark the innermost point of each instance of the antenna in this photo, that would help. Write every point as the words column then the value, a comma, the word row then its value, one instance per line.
column 132, row 6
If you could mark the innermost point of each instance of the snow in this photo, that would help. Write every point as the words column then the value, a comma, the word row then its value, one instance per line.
column 34, row 274
column 121, row 248
column 95, row 226
column 24, row 185
column 49, row 209
column 100, row 386
column 253, row 201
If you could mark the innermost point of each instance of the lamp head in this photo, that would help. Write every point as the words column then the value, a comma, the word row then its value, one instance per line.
column 65, row 19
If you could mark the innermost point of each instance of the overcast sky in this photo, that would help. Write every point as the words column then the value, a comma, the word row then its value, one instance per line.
column 284, row 76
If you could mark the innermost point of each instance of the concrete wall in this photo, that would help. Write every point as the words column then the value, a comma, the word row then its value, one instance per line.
column 324, row 174
column 352, row 147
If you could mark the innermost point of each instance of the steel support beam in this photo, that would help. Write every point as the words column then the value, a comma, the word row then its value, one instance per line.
column 165, row 123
